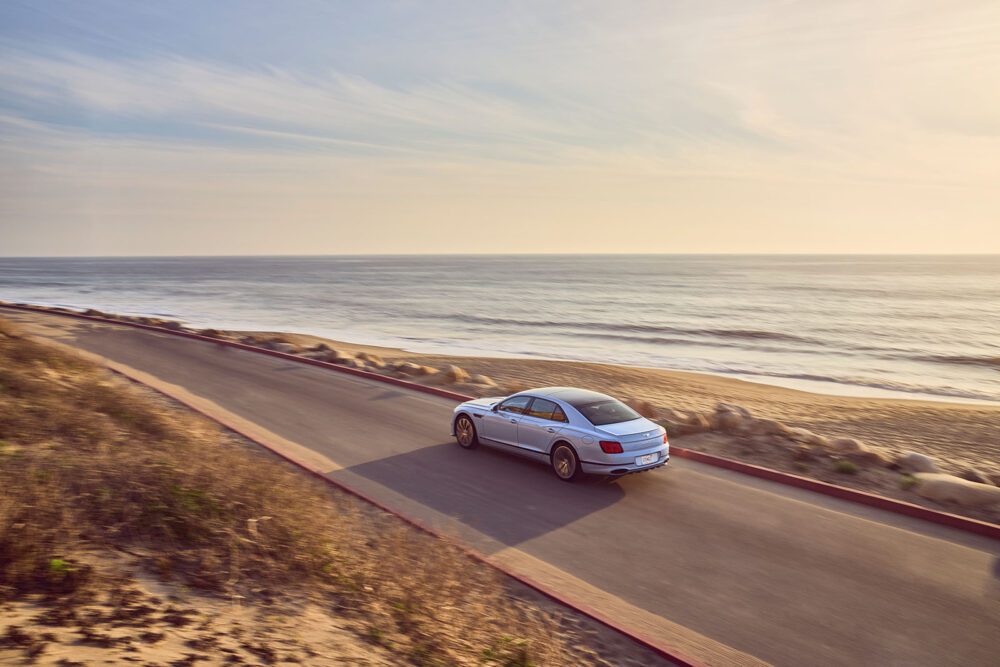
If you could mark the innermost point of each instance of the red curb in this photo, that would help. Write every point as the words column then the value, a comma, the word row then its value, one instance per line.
column 444, row 393
column 648, row 642
column 898, row 506
column 861, row 497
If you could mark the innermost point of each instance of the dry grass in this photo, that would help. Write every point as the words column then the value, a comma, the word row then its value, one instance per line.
column 88, row 462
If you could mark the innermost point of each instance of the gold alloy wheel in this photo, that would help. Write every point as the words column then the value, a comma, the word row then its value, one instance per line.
column 564, row 462
column 465, row 432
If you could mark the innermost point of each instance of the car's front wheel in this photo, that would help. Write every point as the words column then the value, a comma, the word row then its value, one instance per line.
column 465, row 432
column 565, row 463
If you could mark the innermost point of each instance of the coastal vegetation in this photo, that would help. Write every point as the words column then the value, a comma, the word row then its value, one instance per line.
column 123, row 517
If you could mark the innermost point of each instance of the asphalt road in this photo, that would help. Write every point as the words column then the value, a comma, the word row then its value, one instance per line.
column 790, row 577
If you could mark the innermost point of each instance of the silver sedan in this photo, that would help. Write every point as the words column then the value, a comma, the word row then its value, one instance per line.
column 573, row 430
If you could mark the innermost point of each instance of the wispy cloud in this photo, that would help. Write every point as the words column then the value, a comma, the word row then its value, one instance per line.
column 589, row 103
column 336, row 108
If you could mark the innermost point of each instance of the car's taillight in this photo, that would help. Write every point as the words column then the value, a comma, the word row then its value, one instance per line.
column 611, row 447
column 665, row 438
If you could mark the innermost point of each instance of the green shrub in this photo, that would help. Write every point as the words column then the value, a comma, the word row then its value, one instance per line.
column 846, row 467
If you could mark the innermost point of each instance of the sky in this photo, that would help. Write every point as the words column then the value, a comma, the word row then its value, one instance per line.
column 308, row 127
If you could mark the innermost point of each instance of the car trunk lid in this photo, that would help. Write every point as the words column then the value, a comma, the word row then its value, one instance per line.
column 634, row 435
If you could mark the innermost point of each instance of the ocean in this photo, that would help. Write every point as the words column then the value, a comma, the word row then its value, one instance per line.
column 897, row 326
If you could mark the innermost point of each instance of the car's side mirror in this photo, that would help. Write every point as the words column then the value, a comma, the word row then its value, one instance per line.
column 496, row 407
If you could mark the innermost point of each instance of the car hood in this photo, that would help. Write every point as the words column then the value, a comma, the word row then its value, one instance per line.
column 632, row 427
column 484, row 402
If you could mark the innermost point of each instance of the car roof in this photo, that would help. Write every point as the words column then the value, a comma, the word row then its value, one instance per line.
column 570, row 395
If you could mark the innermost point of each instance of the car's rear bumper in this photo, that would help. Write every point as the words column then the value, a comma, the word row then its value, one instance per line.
column 617, row 469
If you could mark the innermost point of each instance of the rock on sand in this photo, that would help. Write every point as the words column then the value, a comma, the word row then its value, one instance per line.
column 339, row 357
column 774, row 427
column 726, row 407
column 847, row 446
column 728, row 421
column 806, row 436
column 675, row 416
column 949, row 488
column 692, row 423
column 455, row 374
column 915, row 462
column 408, row 368
column 974, row 475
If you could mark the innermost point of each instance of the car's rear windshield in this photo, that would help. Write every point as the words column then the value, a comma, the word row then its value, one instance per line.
column 608, row 411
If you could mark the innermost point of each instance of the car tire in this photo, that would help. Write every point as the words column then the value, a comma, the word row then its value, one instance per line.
column 565, row 462
column 465, row 432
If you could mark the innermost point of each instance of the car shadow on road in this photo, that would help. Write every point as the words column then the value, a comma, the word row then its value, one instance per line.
column 505, row 497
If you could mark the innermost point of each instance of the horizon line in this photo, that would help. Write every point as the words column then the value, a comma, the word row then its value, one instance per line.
column 522, row 254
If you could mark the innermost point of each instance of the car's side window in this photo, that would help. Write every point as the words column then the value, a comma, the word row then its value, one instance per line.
column 559, row 416
column 515, row 405
column 542, row 408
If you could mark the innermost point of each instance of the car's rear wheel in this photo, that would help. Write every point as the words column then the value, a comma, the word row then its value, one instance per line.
column 565, row 463
column 465, row 432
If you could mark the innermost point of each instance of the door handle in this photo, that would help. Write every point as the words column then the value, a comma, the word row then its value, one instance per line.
column 551, row 430
column 513, row 421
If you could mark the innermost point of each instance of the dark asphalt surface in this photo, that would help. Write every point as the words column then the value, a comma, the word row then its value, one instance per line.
column 790, row 577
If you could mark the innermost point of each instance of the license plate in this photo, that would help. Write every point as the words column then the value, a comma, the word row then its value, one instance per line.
column 647, row 459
